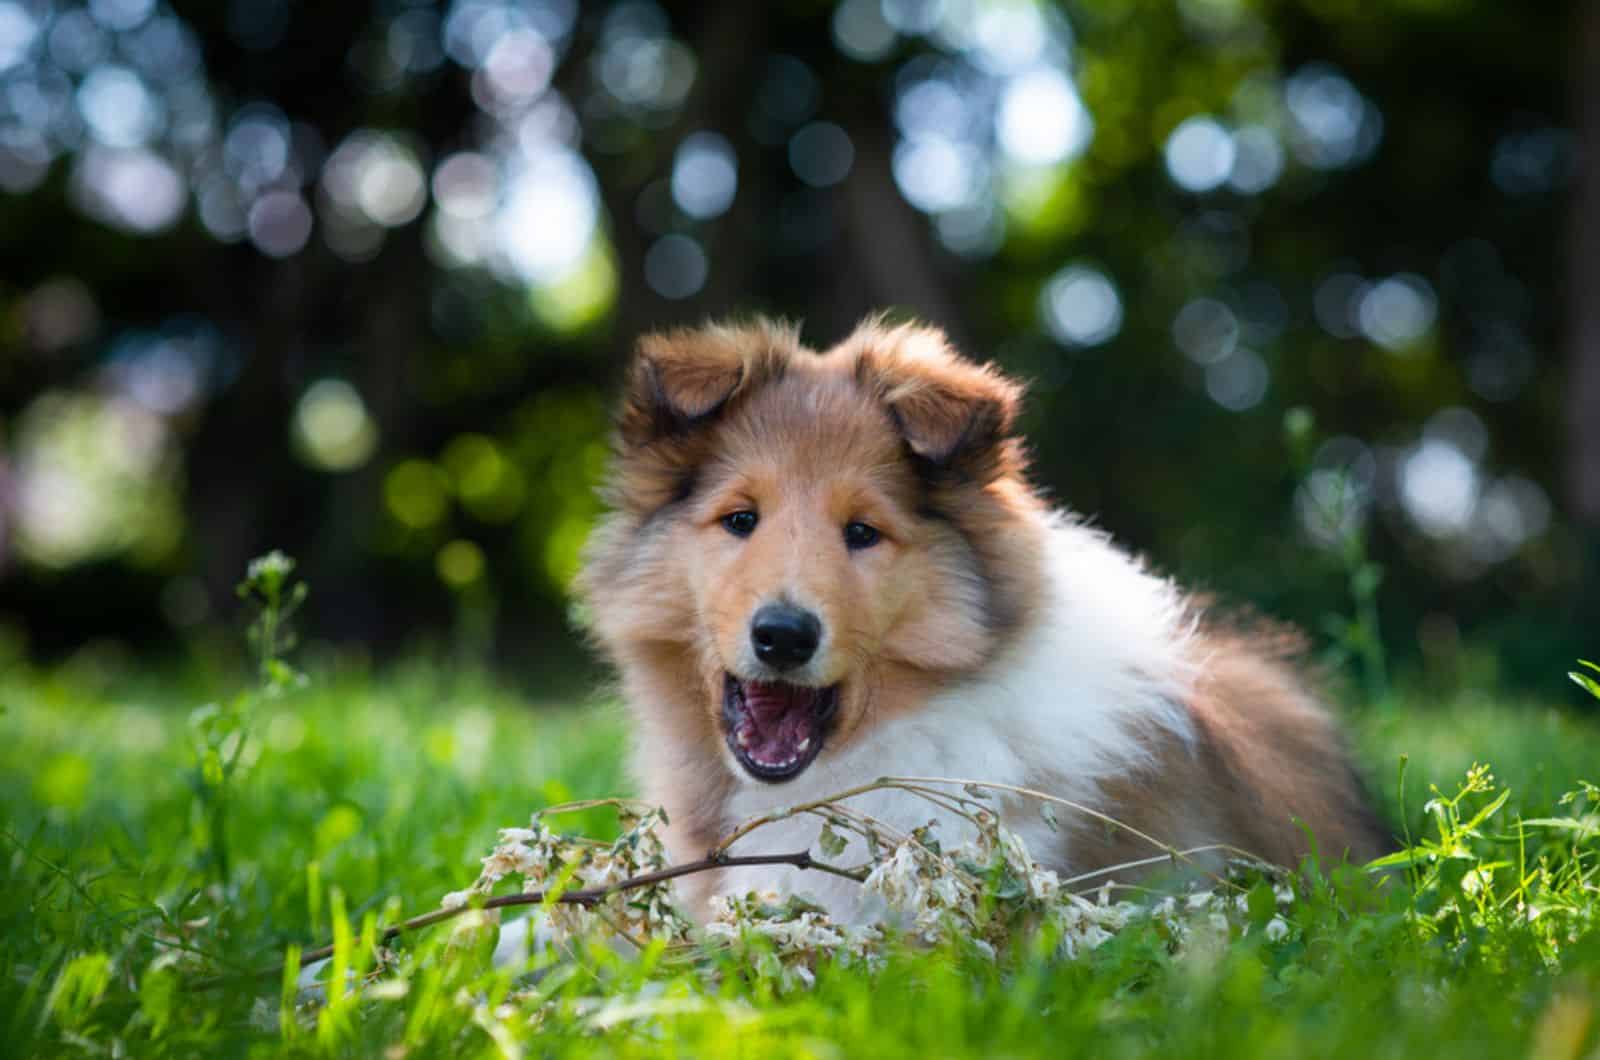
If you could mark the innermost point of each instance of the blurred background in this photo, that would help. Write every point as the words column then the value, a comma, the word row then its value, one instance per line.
column 1304, row 288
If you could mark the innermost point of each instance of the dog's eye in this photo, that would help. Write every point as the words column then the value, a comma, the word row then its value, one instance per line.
column 860, row 535
column 740, row 523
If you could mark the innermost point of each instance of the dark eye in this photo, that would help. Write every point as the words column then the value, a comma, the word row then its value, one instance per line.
column 741, row 523
column 860, row 535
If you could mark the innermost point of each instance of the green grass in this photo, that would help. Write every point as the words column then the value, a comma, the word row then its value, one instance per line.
column 378, row 793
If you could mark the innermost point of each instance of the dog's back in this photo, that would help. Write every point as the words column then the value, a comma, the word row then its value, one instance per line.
column 1263, row 770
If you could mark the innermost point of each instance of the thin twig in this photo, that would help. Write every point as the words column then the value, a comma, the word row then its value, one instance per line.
column 777, row 815
column 863, row 824
column 1169, row 851
column 1142, row 862
column 1093, row 892
column 585, row 897
column 590, row 896
column 942, row 800
column 1036, row 794
column 909, row 785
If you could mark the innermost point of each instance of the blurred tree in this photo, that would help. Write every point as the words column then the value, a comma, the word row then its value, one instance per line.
column 355, row 281
column 1583, row 395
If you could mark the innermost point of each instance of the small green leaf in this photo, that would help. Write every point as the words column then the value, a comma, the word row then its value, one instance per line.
column 1262, row 903
column 1049, row 815
column 158, row 992
column 211, row 768
column 1409, row 856
column 1585, row 682
column 1488, row 811
column 78, row 989
column 288, row 1025
column 830, row 842
column 1583, row 827
column 1008, row 888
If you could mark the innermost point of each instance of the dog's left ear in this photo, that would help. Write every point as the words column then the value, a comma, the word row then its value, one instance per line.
column 955, row 414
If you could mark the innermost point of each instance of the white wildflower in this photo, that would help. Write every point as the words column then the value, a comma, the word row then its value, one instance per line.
column 1084, row 925
column 509, row 859
column 720, row 931
column 274, row 564
column 1042, row 884
column 1277, row 929
column 895, row 878
column 543, row 858
column 264, row 1015
column 799, row 933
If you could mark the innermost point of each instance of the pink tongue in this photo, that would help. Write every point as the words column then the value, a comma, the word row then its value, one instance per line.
column 779, row 719
column 769, row 702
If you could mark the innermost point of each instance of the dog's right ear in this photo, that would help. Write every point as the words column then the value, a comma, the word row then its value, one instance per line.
column 955, row 415
column 682, row 379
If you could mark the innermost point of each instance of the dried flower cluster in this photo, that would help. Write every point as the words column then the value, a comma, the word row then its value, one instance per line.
column 983, row 892
column 796, row 933
column 548, row 861
column 1221, row 911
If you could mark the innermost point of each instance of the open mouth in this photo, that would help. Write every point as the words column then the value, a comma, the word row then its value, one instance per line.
column 776, row 729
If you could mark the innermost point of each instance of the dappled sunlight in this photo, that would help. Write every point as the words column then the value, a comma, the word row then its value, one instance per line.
column 359, row 251
column 1081, row 307
column 96, row 477
column 332, row 429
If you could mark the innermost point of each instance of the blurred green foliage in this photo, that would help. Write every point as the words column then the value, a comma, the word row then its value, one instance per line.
column 357, row 281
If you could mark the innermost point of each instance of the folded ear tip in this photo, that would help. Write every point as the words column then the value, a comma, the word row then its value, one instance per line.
column 954, row 413
column 682, row 377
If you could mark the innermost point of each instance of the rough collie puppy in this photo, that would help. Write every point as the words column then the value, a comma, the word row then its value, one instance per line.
column 823, row 568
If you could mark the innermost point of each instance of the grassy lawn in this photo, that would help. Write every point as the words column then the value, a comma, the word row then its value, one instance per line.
column 370, row 794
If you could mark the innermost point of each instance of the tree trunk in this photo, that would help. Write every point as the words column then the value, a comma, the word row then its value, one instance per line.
column 1583, row 392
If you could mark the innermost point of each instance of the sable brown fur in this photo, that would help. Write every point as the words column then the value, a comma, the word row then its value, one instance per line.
column 893, row 427
column 1266, row 771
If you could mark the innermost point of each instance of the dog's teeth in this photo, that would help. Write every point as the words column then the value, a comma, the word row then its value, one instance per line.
column 805, row 745
column 743, row 736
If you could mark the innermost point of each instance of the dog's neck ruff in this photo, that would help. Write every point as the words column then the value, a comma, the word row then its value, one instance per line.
column 1070, row 701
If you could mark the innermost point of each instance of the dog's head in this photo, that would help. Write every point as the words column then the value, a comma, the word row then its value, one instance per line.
column 803, row 543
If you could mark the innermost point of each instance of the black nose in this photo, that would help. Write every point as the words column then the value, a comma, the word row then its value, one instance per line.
column 784, row 636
